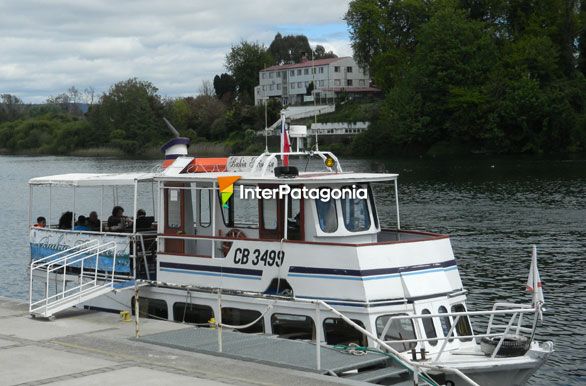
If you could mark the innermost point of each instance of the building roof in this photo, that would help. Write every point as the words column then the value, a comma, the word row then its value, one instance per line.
column 308, row 63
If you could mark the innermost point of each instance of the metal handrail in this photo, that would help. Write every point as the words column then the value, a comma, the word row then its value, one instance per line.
column 50, row 258
column 516, row 310
column 66, row 261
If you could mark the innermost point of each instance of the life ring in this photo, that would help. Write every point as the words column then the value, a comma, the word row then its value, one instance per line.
column 231, row 234
column 512, row 346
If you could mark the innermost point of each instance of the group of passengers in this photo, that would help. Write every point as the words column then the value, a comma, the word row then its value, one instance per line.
column 116, row 222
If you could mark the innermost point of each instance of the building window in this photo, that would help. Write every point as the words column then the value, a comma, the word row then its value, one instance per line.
column 306, row 84
column 278, row 87
column 299, row 72
column 271, row 87
column 292, row 85
column 336, row 68
column 313, row 70
column 292, row 72
column 336, row 82
column 271, row 75
column 349, row 82
column 278, row 74
column 264, row 75
column 349, row 69
column 362, row 82
column 299, row 84
column 306, row 71
column 321, row 70
column 321, row 83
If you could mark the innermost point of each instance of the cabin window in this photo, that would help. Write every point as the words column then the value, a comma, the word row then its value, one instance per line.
column 337, row 331
column 205, row 206
column 445, row 322
column 463, row 326
column 245, row 210
column 355, row 213
column 373, row 206
column 294, row 219
column 327, row 215
column 174, row 208
column 399, row 329
column 240, row 317
column 429, row 327
column 151, row 308
column 269, row 214
column 291, row 326
column 192, row 313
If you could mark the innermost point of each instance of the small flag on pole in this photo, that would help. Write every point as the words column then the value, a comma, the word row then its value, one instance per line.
column 534, row 284
column 285, row 142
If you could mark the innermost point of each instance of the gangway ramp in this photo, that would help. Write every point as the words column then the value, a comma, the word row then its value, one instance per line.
column 293, row 354
column 78, row 274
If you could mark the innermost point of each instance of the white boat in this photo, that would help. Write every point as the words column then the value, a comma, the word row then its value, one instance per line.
column 296, row 267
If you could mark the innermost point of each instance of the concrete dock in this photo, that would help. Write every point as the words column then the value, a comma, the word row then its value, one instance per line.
column 84, row 347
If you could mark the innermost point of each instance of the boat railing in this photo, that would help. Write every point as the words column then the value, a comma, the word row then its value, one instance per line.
column 513, row 326
column 84, row 260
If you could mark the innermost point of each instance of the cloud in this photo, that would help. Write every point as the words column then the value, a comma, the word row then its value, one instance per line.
column 46, row 47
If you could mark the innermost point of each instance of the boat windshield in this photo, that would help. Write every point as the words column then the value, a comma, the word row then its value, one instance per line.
column 327, row 215
column 356, row 214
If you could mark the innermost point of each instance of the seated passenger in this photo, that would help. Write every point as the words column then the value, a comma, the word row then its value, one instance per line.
column 142, row 221
column 93, row 222
column 81, row 224
column 117, row 221
column 65, row 220
column 41, row 222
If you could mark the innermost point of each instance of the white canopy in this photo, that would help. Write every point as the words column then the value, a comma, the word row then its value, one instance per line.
column 93, row 179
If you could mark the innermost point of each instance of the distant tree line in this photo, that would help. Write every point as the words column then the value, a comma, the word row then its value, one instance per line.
column 129, row 115
column 501, row 76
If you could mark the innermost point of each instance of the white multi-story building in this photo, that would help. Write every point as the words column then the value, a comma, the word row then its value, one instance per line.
column 331, row 77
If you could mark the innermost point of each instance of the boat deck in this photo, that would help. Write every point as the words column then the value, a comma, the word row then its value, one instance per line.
column 271, row 350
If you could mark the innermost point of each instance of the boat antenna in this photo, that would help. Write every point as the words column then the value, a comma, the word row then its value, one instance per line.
column 266, row 128
column 173, row 129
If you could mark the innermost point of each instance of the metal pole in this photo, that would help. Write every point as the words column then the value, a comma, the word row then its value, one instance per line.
column 397, row 206
column 213, row 200
column 101, row 208
column 219, row 320
column 134, row 212
column 30, row 205
column 286, row 217
column 73, row 214
column 136, row 312
column 50, row 206
column 317, row 337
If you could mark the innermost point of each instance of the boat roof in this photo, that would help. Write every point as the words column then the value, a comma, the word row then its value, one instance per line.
column 308, row 178
column 116, row 179
column 93, row 179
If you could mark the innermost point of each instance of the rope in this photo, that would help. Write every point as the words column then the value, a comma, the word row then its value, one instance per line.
column 270, row 306
column 352, row 349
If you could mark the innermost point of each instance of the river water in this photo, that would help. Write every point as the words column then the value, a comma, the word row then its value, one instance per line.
column 493, row 208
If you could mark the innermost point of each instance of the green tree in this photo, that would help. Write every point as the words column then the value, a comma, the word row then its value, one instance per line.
column 244, row 61
column 225, row 87
column 289, row 48
column 129, row 115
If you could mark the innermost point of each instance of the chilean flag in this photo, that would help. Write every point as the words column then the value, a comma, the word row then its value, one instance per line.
column 534, row 283
column 285, row 142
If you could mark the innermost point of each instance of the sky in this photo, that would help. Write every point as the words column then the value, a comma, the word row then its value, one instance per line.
column 48, row 46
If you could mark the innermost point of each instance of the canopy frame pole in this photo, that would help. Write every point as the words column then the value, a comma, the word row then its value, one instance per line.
column 50, row 206
column 214, row 199
column 73, row 214
column 101, row 207
column 30, row 205
column 397, row 206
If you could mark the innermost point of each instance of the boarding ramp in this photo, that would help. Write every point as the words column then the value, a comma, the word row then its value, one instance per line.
column 78, row 276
